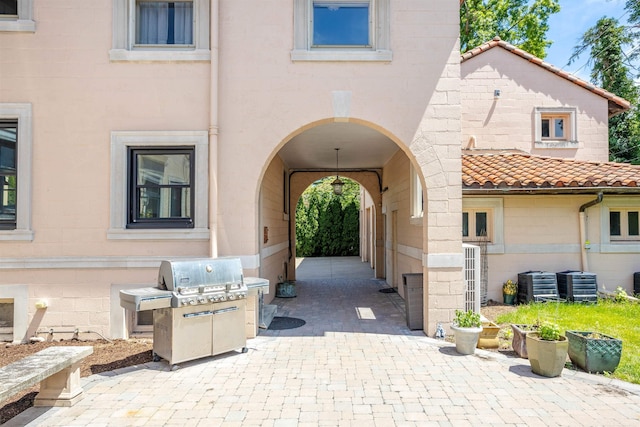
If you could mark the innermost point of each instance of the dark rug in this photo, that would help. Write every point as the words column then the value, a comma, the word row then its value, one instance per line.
column 280, row 323
column 387, row 290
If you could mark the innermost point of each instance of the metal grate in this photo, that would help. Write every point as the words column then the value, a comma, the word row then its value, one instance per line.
column 472, row 277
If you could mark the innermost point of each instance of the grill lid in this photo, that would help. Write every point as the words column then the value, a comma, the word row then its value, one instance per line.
column 188, row 275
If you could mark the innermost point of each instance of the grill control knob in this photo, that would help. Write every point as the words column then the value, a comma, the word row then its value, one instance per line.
column 192, row 301
column 201, row 300
column 231, row 297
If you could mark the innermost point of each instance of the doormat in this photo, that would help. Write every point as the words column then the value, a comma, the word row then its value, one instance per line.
column 387, row 290
column 281, row 323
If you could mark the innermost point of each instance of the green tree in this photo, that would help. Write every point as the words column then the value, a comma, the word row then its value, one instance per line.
column 326, row 224
column 605, row 43
column 523, row 23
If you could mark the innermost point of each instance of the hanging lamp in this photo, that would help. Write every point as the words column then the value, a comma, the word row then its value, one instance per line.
column 337, row 183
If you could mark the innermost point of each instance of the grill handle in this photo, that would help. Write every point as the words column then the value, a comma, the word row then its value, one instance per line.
column 225, row 310
column 198, row 314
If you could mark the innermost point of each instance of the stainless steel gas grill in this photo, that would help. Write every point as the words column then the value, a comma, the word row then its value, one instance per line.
column 199, row 308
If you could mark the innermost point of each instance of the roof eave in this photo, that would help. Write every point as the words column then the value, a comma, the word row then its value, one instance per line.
column 469, row 191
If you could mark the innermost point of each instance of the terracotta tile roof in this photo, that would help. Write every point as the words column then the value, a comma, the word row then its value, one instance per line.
column 616, row 104
column 513, row 171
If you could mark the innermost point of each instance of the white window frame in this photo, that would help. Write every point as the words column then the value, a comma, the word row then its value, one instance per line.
column 495, row 220
column 23, row 114
column 416, row 197
column 471, row 226
column 379, row 29
column 570, row 140
column 624, row 225
column 617, row 245
column 23, row 22
column 121, row 142
column 123, row 40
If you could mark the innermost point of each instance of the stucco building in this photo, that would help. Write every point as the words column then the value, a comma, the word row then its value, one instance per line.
column 137, row 131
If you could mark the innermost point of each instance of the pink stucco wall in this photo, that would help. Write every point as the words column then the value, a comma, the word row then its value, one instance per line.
column 508, row 122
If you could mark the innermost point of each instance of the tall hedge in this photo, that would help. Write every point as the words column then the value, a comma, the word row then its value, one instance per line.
column 326, row 224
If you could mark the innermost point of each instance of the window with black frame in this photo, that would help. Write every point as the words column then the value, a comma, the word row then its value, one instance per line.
column 8, row 174
column 161, row 188
column 9, row 7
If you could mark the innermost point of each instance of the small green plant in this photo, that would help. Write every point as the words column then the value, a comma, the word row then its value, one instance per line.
column 467, row 319
column 549, row 331
column 620, row 295
column 510, row 287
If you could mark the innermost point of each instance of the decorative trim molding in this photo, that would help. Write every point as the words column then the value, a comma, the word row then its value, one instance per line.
column 445, row 260
column 273, row 249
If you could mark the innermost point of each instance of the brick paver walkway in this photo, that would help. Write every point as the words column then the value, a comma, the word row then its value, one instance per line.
column 345, row 369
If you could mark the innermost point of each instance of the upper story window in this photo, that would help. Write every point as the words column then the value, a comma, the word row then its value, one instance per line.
column 146, row 30
column 161, row 188
column 341, row 23
column 555, row 127
column 15, row 172
column 341, row 30
column 8, row 175
column 17, row 15
column 164, row 23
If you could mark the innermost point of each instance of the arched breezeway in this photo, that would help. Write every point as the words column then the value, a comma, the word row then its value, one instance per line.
column 396, row 212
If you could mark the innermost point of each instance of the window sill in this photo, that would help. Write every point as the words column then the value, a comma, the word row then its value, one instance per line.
column 23, row 25
column 342, row 55
column 556, row 144
column 124, row 55
column 16, row 235
column 159, row 234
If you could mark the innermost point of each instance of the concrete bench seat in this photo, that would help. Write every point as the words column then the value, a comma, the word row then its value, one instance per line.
column 56, row 368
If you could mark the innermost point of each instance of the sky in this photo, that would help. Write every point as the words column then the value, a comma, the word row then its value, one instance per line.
column 567, row 26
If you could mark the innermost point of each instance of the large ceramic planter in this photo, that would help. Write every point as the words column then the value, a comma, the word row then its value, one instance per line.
column 593, row 351
column 519, row 341
column 489, row 336
column 466, row 339
column 547, row 358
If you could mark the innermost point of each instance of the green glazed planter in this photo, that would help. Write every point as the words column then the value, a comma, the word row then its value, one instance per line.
column 508, row 299
column 594, row 355
column 547, row 358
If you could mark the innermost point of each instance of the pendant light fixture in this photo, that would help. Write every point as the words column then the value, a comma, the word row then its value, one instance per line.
column 337, row 183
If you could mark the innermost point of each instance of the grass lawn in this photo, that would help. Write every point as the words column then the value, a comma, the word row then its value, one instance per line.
column 620, row 320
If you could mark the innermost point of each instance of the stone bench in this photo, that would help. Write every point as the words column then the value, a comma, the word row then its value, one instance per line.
column 56, row 368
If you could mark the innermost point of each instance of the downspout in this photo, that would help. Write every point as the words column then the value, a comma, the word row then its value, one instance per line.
column 583, row 227
column 214, row 25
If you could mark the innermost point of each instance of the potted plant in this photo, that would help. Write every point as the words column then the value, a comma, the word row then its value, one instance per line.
column 519, row 340
column 489, row 336
column 467, row 327
column 593, row 351
column 509, row 292
column 547, row 350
